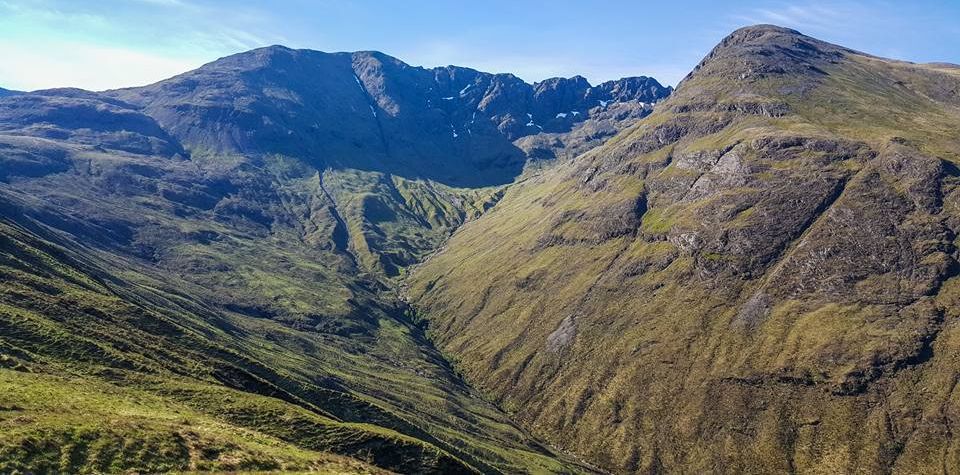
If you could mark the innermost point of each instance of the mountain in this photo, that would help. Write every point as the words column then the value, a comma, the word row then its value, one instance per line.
column 370, row 111
column 289, row 260
column 759, row 277
column 200, row 274
column 7, row 92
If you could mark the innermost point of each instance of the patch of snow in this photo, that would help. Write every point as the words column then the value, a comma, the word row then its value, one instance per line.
column 562, row 115
column 373, row 111
column 575, row 113
column 604, row 103
column 355, row 78
column 464, row 90
column 452, row 129
column 531, row 124
column 448, row 98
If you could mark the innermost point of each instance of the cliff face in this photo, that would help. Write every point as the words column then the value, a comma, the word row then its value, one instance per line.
column 758, row 277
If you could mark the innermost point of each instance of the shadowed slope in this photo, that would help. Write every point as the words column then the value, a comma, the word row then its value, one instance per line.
column 372, row 112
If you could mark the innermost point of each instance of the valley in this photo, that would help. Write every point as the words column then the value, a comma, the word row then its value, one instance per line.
column 226, row 244
column 289, row 260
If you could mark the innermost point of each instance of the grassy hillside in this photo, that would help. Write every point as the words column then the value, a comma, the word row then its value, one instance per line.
column 759, row 277
column 238, row 308
column 200, row 274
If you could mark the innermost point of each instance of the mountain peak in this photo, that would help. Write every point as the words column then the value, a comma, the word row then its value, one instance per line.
column 8, row 92
column 744, row 216
column 758, row 37
column 765, row 50
column 761, row 31
column 272, row 49
column 363, row 107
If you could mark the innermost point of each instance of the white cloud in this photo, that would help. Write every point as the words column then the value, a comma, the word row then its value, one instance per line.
column 816, row 17
column 165, row 3
column 82, row 65
column 51, row 43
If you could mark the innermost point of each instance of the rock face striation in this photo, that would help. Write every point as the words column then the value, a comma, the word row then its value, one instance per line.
column 760, row 277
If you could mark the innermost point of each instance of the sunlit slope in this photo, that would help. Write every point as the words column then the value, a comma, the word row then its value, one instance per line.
column 759, row 277
column 219, row 278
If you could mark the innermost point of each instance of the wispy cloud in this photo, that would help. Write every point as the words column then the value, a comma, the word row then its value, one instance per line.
column 836, row 18
column 164, row 3
column 652, row 39
column 119, row 45
column 856, row 24
column 45, row 12
column 88, row 66
column 809, row 15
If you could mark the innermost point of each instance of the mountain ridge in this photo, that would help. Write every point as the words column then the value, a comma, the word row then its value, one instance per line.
column 224, row 244
column 758, row 277
column 456, row 107
column 288, row 254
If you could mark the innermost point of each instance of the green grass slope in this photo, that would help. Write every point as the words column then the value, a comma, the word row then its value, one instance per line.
column 760, row 277
column 229, row 292
column 70, row 329
column 57, row 424
column 223, row 249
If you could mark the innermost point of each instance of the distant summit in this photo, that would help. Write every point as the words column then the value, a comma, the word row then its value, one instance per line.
column 372, row 111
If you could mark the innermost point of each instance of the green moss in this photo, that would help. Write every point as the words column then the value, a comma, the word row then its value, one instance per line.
column 659, row 221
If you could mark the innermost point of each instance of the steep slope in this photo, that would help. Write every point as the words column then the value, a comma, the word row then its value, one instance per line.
column 212, row 295
column 96, row 383
column 759, row 277
column 395, row 144
column 370, row 111
column 109, row 284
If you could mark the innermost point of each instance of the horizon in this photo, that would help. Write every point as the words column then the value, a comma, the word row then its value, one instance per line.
column 118, row 44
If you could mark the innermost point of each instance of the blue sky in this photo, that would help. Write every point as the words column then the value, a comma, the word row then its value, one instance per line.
column 105, row 44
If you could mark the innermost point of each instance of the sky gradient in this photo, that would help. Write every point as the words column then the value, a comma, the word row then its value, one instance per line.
column 107, row 44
